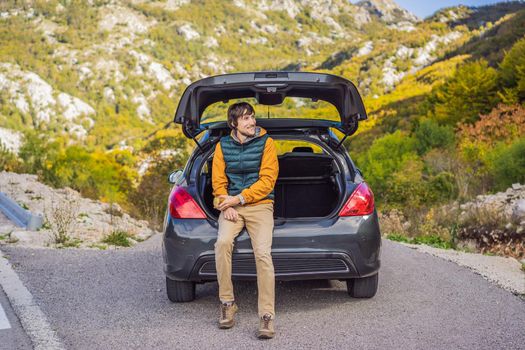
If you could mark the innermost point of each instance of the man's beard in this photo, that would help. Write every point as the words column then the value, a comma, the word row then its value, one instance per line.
column 246, row 135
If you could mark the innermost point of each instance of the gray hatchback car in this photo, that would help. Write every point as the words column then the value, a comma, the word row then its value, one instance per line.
column 326, row 225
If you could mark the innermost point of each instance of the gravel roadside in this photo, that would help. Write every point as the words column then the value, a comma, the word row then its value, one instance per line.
column 504, row 271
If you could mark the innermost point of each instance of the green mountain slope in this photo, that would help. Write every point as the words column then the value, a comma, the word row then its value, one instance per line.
column 113, row 71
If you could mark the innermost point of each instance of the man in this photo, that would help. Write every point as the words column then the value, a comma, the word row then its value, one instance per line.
column 244, row 172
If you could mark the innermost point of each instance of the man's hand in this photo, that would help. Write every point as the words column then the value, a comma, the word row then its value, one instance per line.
column 231, row 214
column 228, row 201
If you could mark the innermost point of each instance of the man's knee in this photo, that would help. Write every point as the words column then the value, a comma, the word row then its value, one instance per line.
column 264, row 257
column 224, row 244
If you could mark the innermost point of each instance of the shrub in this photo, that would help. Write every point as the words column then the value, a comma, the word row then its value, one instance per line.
column 470, row 92
column 385, row 157
column 94, row 174
column 393, row 222
column 406, row 186
column 429, row 134
column 37, row 153
column 441, row 188
column 150, row 198
column 502, row 124
column 61, row 218
column 512, row 71
column 430, row 240
column 507, row 164
column 8, row 160
column 118, row 238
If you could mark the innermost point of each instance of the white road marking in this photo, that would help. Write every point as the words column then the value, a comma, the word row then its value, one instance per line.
column 31, row 317
column 4, row 322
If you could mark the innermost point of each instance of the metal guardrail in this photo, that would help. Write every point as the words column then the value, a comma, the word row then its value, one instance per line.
column 19, row 215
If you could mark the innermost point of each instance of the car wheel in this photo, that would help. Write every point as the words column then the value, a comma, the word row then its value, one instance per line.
column 180, row 291
column 362, row 287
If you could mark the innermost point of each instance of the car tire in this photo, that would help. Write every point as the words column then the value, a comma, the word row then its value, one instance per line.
column 180, row 291
column 365, row 287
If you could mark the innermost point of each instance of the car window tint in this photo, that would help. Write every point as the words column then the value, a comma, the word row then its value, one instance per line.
column 292, row 107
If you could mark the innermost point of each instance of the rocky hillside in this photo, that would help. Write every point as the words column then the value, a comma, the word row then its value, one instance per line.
column 69, row 219
column 110, row 71
column 490, row 224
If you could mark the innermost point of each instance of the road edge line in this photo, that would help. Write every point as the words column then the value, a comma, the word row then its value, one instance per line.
column 33, row 320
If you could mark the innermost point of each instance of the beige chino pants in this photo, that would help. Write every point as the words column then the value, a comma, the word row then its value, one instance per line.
column 258, row 220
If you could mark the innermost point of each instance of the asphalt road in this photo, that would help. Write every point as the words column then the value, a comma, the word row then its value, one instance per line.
column 117, row 300
column 12, row 335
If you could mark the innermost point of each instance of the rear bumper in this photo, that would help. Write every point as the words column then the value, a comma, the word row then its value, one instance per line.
column 345, row 248
column 287, row 266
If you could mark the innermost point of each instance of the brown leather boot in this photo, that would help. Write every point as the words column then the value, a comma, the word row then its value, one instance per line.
column 227, row 318
column 266, row 330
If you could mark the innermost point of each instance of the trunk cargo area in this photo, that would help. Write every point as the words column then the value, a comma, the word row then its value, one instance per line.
column 307, row 186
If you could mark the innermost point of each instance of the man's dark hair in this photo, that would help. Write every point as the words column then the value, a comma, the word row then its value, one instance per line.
column 237, row 110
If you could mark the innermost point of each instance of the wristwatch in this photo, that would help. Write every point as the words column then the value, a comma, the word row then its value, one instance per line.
column 241, row 198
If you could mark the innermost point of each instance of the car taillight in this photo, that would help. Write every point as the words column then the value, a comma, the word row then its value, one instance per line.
column 183, row 206
column 361, row 202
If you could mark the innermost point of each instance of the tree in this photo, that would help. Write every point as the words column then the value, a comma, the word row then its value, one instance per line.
column 512, row 72
column 429, row 134
column 472, row 90
column 502, row 124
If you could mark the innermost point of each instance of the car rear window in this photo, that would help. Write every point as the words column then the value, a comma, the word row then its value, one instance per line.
column 287, row 146
column 292, row 107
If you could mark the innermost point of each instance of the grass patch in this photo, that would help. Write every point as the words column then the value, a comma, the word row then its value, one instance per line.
column 99, row 246
column 431, row 240
column 118, row 238
column 45, row 226
column 396, row 237
column 70, row 243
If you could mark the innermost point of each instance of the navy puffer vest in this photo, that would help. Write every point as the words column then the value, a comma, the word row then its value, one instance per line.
column 243, row 162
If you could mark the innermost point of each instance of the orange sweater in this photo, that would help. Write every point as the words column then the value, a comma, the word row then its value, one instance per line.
column 261, row 188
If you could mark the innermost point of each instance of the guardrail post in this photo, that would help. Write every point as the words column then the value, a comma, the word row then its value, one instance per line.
column 19, row 215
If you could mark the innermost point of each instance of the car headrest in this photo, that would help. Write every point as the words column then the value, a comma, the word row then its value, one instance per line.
column 303, row 149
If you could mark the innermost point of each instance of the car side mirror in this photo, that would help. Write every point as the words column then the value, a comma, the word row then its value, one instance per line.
column 175, row 177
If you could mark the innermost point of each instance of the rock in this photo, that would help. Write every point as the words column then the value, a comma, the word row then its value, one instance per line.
column 365, row 49
column 115, row 17
column 468, row 245
column 73, row 107
column 10, row 139
column 211, row 42
column 173, row 5
column 387, row 11
column 390, row 74
column 187, row 31
column 518, row 210
column 109, row 95
column 290, row 6
column 361, row 16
